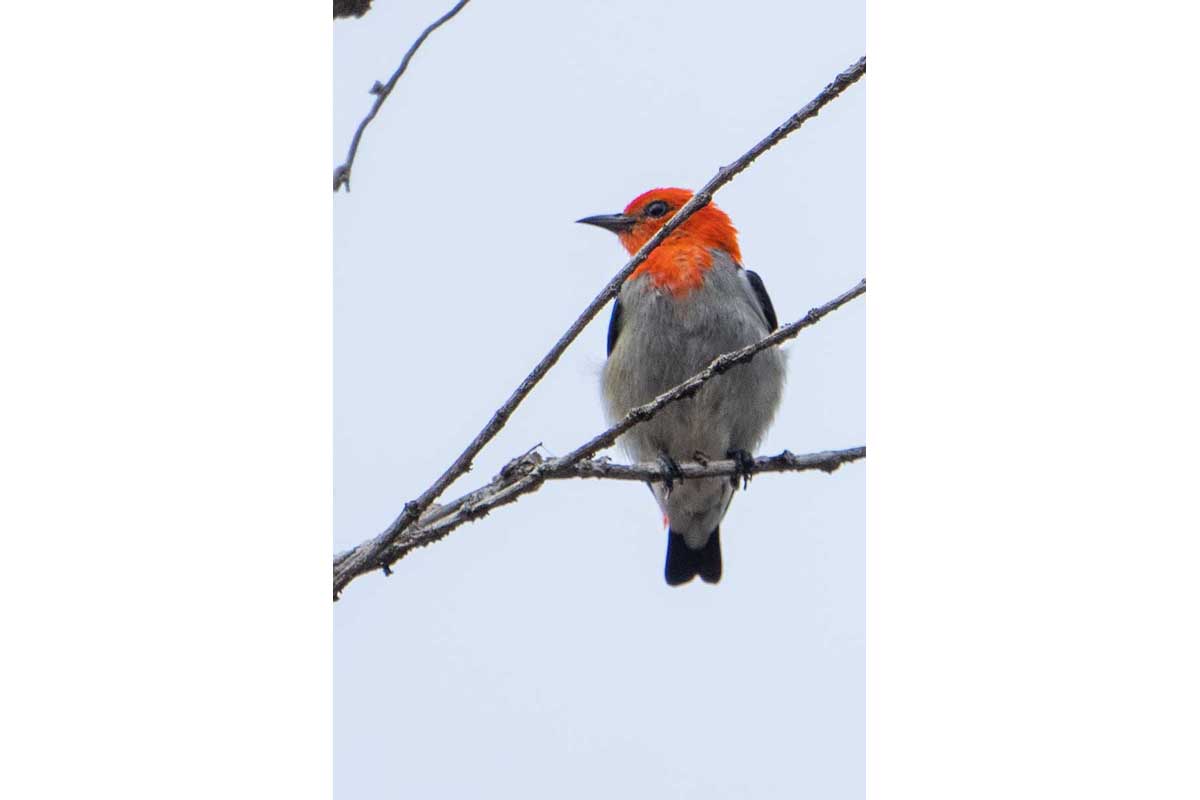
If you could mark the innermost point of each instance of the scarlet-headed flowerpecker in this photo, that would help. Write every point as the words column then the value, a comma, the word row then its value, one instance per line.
column 687, row 303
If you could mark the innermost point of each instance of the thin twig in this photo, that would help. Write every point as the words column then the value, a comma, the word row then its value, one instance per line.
column 720, row 364
column 527, row 473
column 341, row 175
column 367, row 556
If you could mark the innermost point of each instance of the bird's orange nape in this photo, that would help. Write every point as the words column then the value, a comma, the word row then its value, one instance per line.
column 679, row 263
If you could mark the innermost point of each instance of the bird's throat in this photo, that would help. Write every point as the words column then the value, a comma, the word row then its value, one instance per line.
column 676, row 270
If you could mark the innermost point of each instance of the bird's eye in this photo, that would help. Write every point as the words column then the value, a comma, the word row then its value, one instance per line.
column 657, row 209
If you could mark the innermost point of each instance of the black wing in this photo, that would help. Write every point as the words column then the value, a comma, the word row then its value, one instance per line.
column 614, row 325
column 764, row 302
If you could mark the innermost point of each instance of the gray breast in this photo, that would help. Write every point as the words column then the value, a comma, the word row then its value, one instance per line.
column 665, row 340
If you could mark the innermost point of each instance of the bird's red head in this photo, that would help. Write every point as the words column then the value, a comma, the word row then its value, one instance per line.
column 679, row 262
column 709, row 226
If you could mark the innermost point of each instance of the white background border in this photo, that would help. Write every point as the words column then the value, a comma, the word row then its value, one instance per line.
column 1032, row 399
column 167, row 403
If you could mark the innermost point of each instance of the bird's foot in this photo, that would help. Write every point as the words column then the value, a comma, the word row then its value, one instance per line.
column 671, row 472
column 745, row 467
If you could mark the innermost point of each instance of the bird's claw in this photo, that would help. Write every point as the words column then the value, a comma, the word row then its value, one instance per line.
column 745, row 467
column 671, row 471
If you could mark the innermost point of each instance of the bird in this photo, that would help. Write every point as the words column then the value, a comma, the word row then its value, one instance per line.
column 690, row 301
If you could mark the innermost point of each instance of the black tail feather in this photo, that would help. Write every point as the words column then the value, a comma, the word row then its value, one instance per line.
column 684, row 563
column 710, row 558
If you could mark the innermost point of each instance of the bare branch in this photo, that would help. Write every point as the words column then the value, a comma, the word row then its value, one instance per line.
column 652, row 472
column 341, row 175
column 528, row 472
column 350, row 8
column 366, row 557
column 502, row 491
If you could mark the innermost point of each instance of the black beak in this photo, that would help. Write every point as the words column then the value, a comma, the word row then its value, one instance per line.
column 617, row 223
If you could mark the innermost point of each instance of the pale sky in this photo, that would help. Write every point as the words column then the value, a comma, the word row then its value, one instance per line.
column 538, row 652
